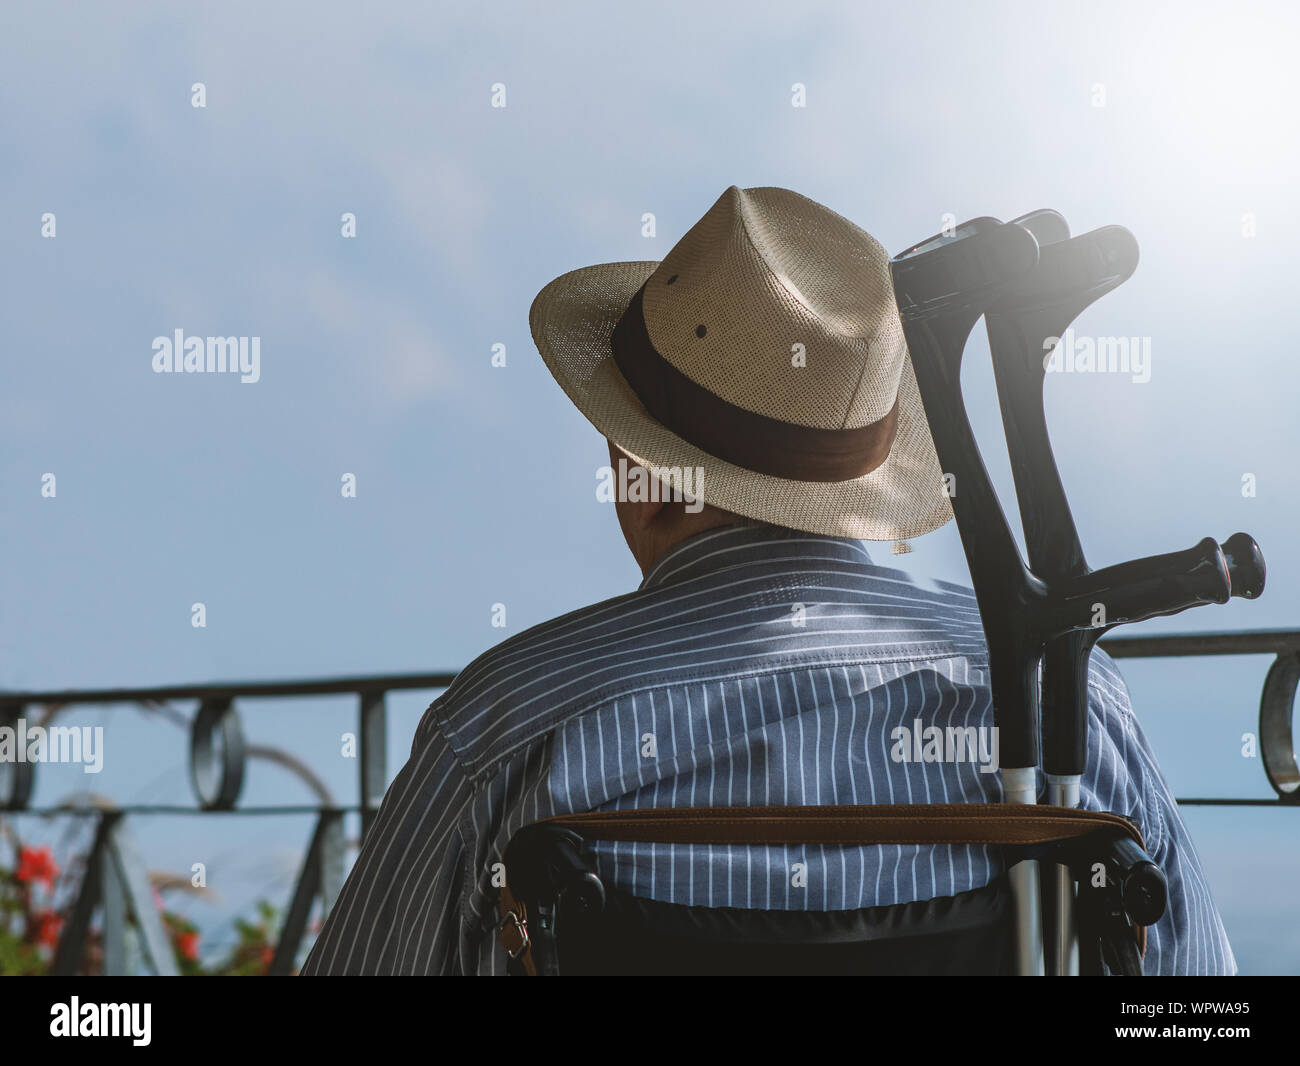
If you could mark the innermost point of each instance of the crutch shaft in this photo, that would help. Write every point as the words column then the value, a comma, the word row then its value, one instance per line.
column 1019, row 786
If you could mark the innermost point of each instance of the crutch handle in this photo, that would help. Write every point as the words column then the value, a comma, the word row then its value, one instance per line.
column 965, row 270
column 1047, row 226
column 1146, row 588
column 1246, row 568
column 1071, row 274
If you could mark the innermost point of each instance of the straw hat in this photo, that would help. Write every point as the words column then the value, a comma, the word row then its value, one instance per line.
column 766, row 352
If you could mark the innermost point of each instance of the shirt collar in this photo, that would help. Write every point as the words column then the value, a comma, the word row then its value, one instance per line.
column 728, row 547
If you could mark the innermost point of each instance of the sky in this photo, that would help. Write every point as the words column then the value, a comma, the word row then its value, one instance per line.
column 475, row 483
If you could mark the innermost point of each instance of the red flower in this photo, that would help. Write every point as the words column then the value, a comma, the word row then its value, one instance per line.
column 47, row 928
column 188, row 945
column 268, row 953
column 36, row 864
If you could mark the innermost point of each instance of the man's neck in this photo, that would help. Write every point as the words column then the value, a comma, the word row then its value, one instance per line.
column 659, row 543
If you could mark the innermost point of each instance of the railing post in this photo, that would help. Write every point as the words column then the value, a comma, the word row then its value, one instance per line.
column 321, row 874
column 137, row 893
column 16, row 777
column 115, row 877
column 374, row 756
column 72, row 941
column 113, row 900
column 332, row 868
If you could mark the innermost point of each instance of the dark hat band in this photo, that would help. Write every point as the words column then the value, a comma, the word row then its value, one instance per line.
column 738, row 436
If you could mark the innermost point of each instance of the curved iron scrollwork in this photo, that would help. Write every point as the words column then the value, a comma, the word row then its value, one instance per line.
column 1275, row 713
column 17, row 775
column 217, row 755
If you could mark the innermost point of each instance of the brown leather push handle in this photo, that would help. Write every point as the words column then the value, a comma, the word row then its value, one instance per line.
column 924, row 823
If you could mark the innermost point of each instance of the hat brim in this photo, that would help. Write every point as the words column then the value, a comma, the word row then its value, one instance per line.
column 571, row 321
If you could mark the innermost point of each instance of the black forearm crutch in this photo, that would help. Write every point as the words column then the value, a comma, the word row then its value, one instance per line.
column 1031, row 281
column 1023, row 327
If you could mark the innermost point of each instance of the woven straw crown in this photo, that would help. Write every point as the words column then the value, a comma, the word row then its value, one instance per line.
column 763, row 272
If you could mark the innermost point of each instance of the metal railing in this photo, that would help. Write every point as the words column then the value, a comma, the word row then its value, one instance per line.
column 1276, row 702
column 115, row 880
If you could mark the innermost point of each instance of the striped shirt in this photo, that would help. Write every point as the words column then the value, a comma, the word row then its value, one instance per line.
column 753, row 666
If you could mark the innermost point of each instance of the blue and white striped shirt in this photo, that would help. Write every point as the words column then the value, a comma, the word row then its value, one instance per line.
column 753, row 666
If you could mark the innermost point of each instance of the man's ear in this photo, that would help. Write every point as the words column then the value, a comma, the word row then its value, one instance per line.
column 638, row 515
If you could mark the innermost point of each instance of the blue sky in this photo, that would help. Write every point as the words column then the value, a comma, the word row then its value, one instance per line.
column 476, row 484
